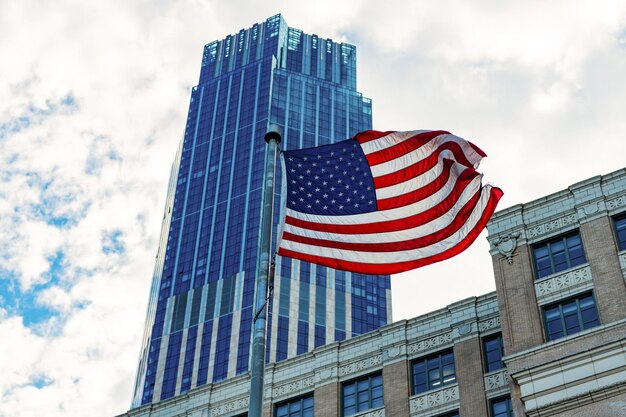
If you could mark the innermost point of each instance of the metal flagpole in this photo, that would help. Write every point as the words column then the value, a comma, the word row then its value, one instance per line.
column 255, row 406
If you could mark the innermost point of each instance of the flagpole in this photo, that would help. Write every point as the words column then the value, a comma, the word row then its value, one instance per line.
column 255, row 405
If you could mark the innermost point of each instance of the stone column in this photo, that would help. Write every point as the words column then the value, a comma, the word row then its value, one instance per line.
column 519, row 313
column 326, row 400
column 469, row 374
column 608, row 281
column 396, row 388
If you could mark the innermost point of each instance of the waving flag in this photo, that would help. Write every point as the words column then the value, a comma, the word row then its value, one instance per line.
column 384, row 202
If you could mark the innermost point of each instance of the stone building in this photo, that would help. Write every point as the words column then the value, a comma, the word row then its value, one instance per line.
column 559, row 264
column 551, row 341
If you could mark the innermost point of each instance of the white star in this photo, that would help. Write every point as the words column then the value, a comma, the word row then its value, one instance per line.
column 299, row 165
column 348, row 199
column 340, row 207
column 325, row 195
column 325, row 207
column 333, row 201
column 317, row 201
column 309, row 195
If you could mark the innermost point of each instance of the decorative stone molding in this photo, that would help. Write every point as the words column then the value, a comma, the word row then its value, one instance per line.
column 616, row 202
column 496, row 382
column 492, row 323
column 379, row 412
column 325, row 373
column 430, row 343
column 293, row 387
column 590, row 209
column 553, row 286
column 357, row 366
column 434, row 399
column 551, row 226
column 506, row 245
column 393, row 352
column 239, row 404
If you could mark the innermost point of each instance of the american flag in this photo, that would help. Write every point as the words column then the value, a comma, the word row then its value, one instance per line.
column 384, row 202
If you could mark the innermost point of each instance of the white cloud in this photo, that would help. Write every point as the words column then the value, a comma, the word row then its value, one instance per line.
column 93, row 101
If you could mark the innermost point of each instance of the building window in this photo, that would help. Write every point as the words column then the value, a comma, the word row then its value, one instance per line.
column 620, row 231
column 494, row 351
column 501, row 407
column 570, row 316
column 362, row 394
column 299, row 407
column 452, row 414
column 558, row 254
column 433, row 372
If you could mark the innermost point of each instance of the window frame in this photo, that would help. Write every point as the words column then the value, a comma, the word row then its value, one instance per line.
column 424, row 360
column 621, row 245
column 551, row 241
column 485, row 358
column 355, row 382
column 509, row 405
column 560, row 304
column 300, row 399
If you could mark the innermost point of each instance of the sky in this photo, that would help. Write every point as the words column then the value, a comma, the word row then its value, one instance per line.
column 93, row 103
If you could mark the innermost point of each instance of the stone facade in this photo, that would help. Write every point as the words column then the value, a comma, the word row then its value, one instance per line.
column 389, row 351
column 584, row 372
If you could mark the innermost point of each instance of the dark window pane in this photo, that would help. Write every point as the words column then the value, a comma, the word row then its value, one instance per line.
column 570, row 316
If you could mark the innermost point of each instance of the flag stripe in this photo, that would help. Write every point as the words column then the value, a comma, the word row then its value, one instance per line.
column 420, row 230
column 370, row 135
column 417, row 242
column 463, row 154
column 425, row 143
column 384, row 221
column 394, row 267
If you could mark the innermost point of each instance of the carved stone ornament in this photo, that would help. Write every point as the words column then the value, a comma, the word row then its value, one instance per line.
column 506, row 245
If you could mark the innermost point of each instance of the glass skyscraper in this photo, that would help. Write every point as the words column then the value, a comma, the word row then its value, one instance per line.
column 200, row 312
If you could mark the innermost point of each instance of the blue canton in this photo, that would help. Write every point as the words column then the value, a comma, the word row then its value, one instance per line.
column 330, row 180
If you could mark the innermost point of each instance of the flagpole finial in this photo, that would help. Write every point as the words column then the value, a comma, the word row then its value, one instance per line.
column 274, row 132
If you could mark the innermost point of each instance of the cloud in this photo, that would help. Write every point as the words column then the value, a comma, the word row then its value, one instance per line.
column 93, row 103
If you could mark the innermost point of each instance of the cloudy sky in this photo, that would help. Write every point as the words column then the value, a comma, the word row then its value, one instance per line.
column 93, row 101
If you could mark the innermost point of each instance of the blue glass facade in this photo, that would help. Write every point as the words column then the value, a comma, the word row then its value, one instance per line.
column 199, row 317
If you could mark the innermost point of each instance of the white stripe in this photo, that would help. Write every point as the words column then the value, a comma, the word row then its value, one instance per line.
column 391, row 214
column 424, row 152
column 388, row 141
column 377, row 258
column 395, row 236
column 412, row 184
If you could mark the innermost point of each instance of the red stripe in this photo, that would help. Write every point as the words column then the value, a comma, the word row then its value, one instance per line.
column 370, row 135
column 477, row 149
column 418, row 168
column 394, row 268
column 402, row 148
column 391, row 225
column 420, row 193
column 410, row 244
